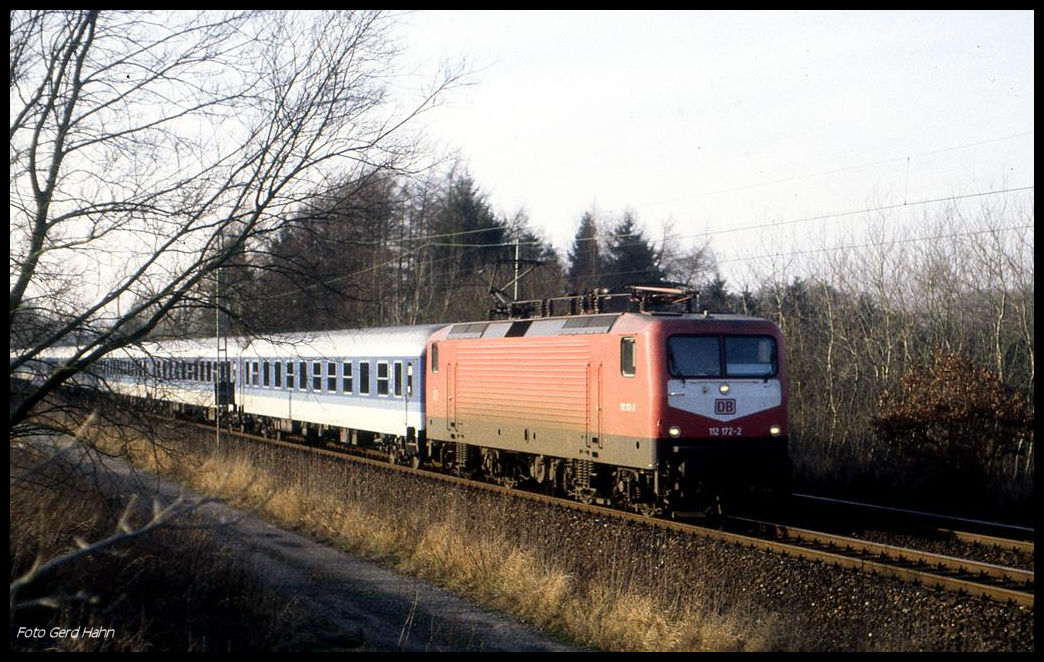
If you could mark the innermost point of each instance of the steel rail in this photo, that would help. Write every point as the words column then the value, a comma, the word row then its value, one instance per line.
column 937, row 568
column 1024, row 546
column 1015, row 529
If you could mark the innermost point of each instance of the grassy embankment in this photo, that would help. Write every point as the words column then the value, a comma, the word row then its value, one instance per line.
column 488, row 547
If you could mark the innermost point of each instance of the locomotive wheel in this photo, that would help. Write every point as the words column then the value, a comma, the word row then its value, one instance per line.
column 714, row 511
column 538, row 469
column 649, row 510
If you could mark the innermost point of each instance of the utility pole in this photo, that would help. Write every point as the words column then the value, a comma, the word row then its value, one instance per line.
column 217, row 364
column 517, row 256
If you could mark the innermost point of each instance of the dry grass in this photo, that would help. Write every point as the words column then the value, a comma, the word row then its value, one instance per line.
column 175, row 589
column 461, row 540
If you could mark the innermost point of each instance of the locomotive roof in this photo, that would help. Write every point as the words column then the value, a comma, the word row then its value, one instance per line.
column 581, row 324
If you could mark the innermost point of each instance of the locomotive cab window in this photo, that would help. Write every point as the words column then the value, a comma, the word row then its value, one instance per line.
column 738, row 357
column 694, row 356
column 627, row 357
column 750, row 356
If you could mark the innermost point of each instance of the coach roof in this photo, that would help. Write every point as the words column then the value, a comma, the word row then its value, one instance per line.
column 378, row 341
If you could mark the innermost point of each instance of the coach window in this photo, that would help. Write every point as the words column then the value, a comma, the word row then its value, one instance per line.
column 409, row 379
column 397, row 377
column 317, row 376
column 382, row 378
column 265, row 374
column 277, row 376
column 302, row 376
column 256, row 371
column 346, row 377
column 434, row 357
column 289, row 375
column 627, row 357
column 331, row 377
column 364, row 377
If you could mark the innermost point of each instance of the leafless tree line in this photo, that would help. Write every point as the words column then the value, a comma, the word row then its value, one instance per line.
column 875, row 306
column 151, row 151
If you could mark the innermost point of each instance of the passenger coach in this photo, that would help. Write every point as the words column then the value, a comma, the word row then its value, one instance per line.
column 355, row 386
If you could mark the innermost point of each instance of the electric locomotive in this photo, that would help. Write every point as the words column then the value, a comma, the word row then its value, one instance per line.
column 652, row 411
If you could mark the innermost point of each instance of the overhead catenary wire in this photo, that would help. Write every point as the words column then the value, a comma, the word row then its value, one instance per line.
column 745, row 259
column 899, row 159
column 764, row 225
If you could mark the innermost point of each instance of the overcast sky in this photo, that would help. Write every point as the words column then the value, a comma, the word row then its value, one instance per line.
column 720, row 120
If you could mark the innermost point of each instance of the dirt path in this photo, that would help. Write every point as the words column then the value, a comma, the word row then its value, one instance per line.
column 367, row 606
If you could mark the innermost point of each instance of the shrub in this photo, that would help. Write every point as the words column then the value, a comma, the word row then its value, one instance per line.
column 952, row 430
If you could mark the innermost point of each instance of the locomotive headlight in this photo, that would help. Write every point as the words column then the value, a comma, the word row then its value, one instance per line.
column 674, row 431
column 724, row 388
column 775, row 430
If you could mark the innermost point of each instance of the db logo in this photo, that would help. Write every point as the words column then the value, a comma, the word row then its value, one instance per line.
column 727, row 406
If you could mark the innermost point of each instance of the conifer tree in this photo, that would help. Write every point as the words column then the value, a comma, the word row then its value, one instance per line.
column 585, row 258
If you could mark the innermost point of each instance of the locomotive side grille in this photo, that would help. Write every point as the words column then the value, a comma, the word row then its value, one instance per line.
column 545, row 379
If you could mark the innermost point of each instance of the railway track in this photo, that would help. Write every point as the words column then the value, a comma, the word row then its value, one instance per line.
column 1006, row 536
column 994, row 582
column 947, row 572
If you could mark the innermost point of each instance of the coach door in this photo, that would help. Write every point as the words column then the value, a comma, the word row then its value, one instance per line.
column 594, row 405
column 451, row 396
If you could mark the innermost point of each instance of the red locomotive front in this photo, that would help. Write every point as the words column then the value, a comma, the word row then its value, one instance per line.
column 723, row 427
